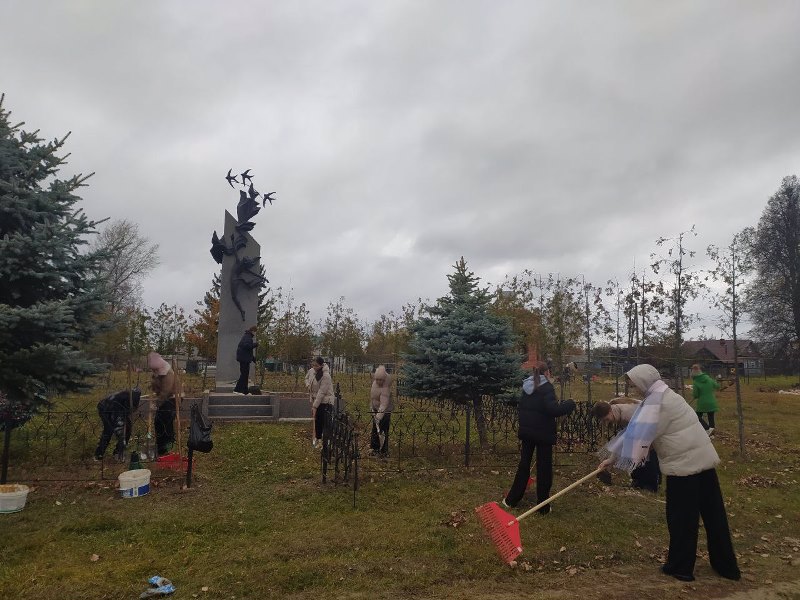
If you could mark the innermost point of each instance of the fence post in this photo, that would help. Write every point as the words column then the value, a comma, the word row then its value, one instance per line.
column 466, row 441
column 355, row 473
column 6, row 449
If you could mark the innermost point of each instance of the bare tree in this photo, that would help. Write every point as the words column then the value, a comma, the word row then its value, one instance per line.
column 731, row 266
column 774, row 294
column 128, row 258
column 687, row 285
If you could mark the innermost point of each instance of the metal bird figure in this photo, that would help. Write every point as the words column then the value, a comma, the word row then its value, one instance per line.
column 268, row 197
column 246, row 177
column 231, row 178
column 252, row 192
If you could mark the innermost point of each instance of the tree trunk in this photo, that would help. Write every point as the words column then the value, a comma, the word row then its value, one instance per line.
column 480, row 421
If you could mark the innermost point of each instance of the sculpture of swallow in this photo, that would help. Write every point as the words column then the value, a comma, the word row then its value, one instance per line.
column 268, row 197
column 231, row 178
column 246, row 177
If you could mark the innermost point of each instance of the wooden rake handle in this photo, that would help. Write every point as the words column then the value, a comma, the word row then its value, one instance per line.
column 557, row 494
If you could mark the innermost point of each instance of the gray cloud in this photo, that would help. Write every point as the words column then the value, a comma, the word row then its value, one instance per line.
column 560, row 137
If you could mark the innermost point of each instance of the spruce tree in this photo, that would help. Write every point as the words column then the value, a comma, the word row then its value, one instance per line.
column 459, row 349
column 51, row 292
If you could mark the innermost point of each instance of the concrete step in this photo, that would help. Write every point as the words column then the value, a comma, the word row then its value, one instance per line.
column 236, row 400
column 245, row 410
column 245, row 419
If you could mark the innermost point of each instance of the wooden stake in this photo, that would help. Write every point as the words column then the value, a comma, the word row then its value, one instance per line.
column 178, row 391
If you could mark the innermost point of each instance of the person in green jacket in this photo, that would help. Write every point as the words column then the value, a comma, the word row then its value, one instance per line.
column 703, row 388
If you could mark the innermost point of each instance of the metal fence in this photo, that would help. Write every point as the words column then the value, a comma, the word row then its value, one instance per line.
column 60, row 446
column 430, row 435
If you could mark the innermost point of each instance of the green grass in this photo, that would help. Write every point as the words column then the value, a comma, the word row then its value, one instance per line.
column 258, row 523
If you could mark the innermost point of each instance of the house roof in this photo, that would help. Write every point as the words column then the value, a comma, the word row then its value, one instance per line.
column 722, row 350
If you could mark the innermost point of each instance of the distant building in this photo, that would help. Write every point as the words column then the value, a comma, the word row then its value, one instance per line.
column 716, row 357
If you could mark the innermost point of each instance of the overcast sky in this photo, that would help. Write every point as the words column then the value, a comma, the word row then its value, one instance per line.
column 552, row 136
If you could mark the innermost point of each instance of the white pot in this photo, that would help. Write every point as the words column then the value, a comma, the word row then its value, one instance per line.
column 13, row 497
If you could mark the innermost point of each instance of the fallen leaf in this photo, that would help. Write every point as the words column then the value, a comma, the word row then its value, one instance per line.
column 637, row 544
column 58, row 503
column 562, row 549
column 204, row 588
column 94, row 558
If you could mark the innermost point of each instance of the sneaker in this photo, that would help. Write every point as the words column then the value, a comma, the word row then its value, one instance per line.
column 710, row 432
column 97, row 458
column 505, row 505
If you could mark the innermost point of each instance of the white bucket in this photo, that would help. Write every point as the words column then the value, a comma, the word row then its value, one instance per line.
column 133, row 484
column 13, row 497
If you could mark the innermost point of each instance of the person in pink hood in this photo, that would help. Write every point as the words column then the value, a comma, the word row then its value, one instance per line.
column 164, row 386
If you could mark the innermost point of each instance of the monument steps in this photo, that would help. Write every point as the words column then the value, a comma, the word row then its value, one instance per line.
column 233, row 407
column 235, row 400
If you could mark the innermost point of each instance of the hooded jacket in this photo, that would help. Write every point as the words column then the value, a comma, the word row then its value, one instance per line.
column 325, row 393
column 703, row 387
column 380, row 396
column 538, row 409
column 244, row 351
column 682, row 445
column 163, row 382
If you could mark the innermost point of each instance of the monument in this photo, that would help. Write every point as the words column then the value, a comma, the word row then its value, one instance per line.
column 241, row 280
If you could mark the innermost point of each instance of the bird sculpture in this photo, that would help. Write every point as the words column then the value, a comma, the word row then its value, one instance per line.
column 268, row 197
column 231, row 178
column 246, row 177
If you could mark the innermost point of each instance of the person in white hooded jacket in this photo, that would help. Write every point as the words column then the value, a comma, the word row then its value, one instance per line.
column 666, row 422
column 381, row 406
column 324, row 398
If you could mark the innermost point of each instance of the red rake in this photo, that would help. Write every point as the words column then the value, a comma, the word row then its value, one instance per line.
column 503, row 528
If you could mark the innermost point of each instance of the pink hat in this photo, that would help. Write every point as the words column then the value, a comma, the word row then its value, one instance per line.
column 158, row 364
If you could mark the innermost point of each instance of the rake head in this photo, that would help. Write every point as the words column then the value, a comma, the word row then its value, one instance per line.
column 502, row 528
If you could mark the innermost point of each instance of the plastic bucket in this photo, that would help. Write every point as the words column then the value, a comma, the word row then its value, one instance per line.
column 133, row 484
column 13, row 497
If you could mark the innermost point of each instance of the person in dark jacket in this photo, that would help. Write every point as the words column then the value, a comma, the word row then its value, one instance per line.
column 538, row 410
column 244, row 355
column 115, row 414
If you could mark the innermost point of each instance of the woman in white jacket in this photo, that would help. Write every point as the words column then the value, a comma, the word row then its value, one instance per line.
column 324, row 398
column 688, row 459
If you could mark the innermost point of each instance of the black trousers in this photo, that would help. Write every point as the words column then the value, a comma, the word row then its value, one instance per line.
column 648, row 476
column 113, row 425
column 688, row 499
column 165, row 426
column 374, row 440
column 710, row 423
column 544, row 473
column 244, row 373
column 323, row 412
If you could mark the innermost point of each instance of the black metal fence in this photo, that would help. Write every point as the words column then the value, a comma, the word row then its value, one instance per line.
column 60, row 446
column 430, row 434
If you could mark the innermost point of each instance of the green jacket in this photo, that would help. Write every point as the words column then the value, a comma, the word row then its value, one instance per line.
column 703, row 388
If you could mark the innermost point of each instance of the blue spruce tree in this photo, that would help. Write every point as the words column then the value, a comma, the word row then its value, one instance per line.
column 51, row 291
column 459, row 350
